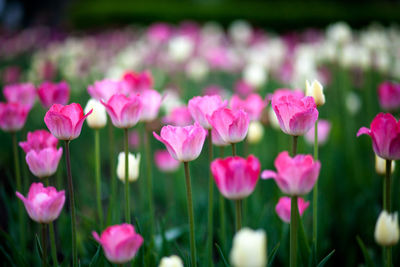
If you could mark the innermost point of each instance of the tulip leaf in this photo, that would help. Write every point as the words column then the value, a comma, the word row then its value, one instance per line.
column 303, row 242
column 7, row 256
column 39, row 247
column 18, row 258
column 272, row 254
column 222, row 255
column 324, row 260
column 367, row 257
column 96, row 258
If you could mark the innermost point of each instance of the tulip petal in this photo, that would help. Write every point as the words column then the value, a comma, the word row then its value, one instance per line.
column 268, row 174
column 363, row 130
column 59, row 125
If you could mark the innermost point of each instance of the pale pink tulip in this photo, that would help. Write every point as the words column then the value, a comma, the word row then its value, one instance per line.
column 202, row 106
column 23, row 93
column 284, row 206
column 151, row 101
column 253, row 105
column 105, row 89
column 38, row 140
column 53, row 93
column 324, row 128
column 43, row 163
column 165, row 162
column 179, row 116
column 217, row 139
column 124, row 111
column 13, row 116
column 389, row 95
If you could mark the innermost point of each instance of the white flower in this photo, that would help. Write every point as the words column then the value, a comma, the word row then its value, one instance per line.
column 134, row 166
column 240, row 31
column 387, row 229
column 180, row 48
column 255, row 75
column 380, row 165
column 171, row 261
column 273, row 120
column 197, row 69
column 98, row 118
column 255, row 133
column 249, row 248
column 315, row 90
column 339, row 33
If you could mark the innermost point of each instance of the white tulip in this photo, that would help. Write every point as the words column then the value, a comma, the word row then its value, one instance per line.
column 380, row 165
column 134, row 166
column 98, row 118
column 387, row 229
column 255, row 75
column 315, row 90
column 255, row 133
column 249, row 248
column 180, row 48
column 171, row 261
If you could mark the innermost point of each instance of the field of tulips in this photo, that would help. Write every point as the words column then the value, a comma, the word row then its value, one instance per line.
column 195, row 145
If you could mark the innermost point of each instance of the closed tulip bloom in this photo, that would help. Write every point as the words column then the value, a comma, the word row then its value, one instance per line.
column 105, row 89
column 253, row 105
column 236, row 177
column 249, row 248
column 43, row 163
column 171, row 261
column 256, row 132
column 134, row 167
column 53, row 93
column 38, row 140
column 380, row 165
column 296, row 115
column 24, row 93
column 120, row 242
column 43, row 204
column 316, row 90
column 65, row 122
column 385, row 134
column 124, row 111
column 295, row 176
column 183, row 143
column 138, row 82
column 13, row 116
column 165, row 162
column 389, row 95
column 324, row 128
column 217, row 139
column 387, row 229
column 202, row 106
column 98, row 118
column 179, row 116
column 231, row 125
column 283, row 208
column 151, row 101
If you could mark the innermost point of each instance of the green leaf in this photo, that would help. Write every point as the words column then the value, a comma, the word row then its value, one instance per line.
column 96, row 258
column 7, row 256
column 222, row 255
column 39, row 246
column 304, row 247
column 324, row 260
column 18, row 258
column 367, row 257
column 272, row 254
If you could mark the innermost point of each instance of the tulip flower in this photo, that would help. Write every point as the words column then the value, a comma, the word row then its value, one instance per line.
column 253, row 105
column 53, row 93
column 389, row 95
column 316, row 90
column 202, row 106
column 255, row 133
column 120, row 243
column 284, row 205
column 249, row 248
column 23, row 93
column 217, row 139
column 380, row 165
column 138, row 82
column 43, row 204
column 165, row 162
column 38, row 140
column 387, row 229
column 151, row 101
column 105, row 89
column 44, row 163
column 171, row 261
column 179, row 116
column 98, row 118
column 134, row 167
column 124, row 111
column 13, row 116
column 324, row 128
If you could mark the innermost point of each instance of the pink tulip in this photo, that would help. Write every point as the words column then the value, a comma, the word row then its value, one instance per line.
column 165, row 162
column 389, row 95
column 53, row 93
column 124, row 111
column 43, row 163
column 296, row 115
column 385, row 134
column 65, row 122
column 159, row 32
column 242, row 88
column 179, row 116
column 120, row 242
column 23, row 93
column 105, row 89
column 324, row 127
column 296, row 176
column 137, row 82
column 284, row 206
column 236, row 177
column 183, row 143
column 38, row 140
column 253, row 105
column 231, row 125
column 13, row 116
column 202, row 106
column 43, row 204
column 217, row 139
column 151, row 101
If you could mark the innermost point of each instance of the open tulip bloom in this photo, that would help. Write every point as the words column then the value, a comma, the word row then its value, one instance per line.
column 38, row 140
column 200, row 107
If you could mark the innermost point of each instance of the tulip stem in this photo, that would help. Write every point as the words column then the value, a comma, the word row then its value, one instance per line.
column 387, row 187
column 21, row 216
column 127, row 209
column 210, row 200
column 44, row 244
column 111, row 208
column 294, row 146
column 233, row 149
column 149, row 180
column 72, row 205
column 222, row 208
column 315, row 191
column 98, row 177
column 293, row 231
column 53, row 246
column 191, row 214
column 238, row 208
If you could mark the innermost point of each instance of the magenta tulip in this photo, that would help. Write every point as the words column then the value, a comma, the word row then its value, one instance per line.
column 296, row 176
column 23, row 93
column 120, row 242
column 137, row 82
column 202, row 106
column 253, row 105
column 13, row 116
column 43, row 163
column 53, row 93
column 43, row 204
column 65, row 122
column 165, row 162
column 283, row 208
column 183, row 143
column 38, row 140
column 389, row 95
column 231, row 125
column 124, row 111
column 324, row 128
column 105, row 89
column 151, row 101
column 179, row 116
column 236, row 177
column 385, row 134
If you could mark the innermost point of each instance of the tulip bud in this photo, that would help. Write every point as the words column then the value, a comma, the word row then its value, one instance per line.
column 171, row 261
column 387, row 229
column 256, row 132
column 316, row 90
column 380, row 165
column 98, row 118
column 249, row 248
column 133, row 167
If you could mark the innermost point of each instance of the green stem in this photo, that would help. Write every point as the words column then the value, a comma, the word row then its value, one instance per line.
column 149, row 180
column 44, row 244
column 388, row 199
column 53, row 246
column 72, row 205
column 294, row 146
column 238, row 208
column 21, row 216
column 98, row 175
column 190, row 214
column 113, row 180
column 293, row 231
column 222, row 208
column 315, row 191
column 387, row 256
column 210, row 200
column 127, row 209
column 233, row 149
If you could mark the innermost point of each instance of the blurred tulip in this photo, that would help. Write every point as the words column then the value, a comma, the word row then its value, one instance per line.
column 43, row 204
column 296, row 176
column 249, row 248
column 23, row 93
column 284, row 206
column 389, row 95
column 165, row 162
column 53, row 93
column 124, row 111
column 138, row 82
column 134, row 139
column 13, row 116
column 253, row 105
column 43, row 163
column 98, row 118
column 120, row 242
column 380, row 165
column 38, row 140
column 324, row 128
column 179, row 116
column 180, row 48
column 11, row 74
column 387, row 229
column 65, row 122
column 202, row 106
column 134, row 167
column 385, row 135
column 105, row 89
column 256, row 132
column 316, row 90
column 159, row 32
column 171, row 261
column 255, row 75
column 151, row 102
